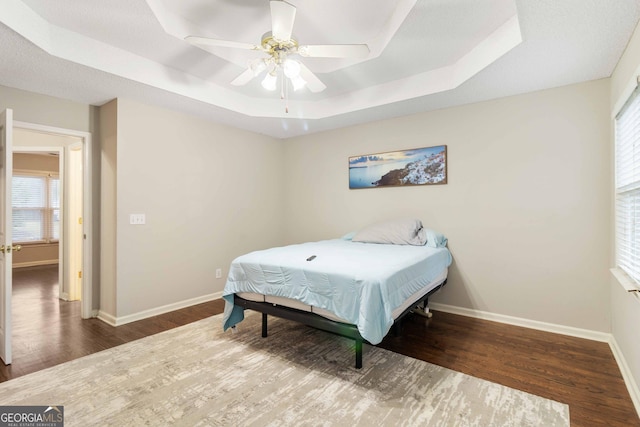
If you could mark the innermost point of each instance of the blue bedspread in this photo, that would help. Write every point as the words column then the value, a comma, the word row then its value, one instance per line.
column 360, row 282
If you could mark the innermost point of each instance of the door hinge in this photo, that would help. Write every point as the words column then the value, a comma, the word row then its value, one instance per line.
column 79, row 274
column 80, row 220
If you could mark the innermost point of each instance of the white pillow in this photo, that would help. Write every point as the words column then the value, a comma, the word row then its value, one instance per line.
column 396, row 232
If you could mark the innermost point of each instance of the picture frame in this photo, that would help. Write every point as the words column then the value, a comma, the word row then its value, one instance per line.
column 416, row 166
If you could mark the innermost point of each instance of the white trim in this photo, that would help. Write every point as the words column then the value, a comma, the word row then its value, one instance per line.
column 35, row 263
column 629, row 381
column 628, row 284
column 30, row 245
column 106, row 318
column 119, row 321
column 28, row 172
column 626, row 93
column 72, row 46
column 526, row 323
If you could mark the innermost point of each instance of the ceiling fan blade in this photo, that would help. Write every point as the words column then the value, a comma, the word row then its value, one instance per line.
column 313, row 82
column 204, row 41
column 243, row 78
column 334, row 51
column 254, row 68
column 283, row 15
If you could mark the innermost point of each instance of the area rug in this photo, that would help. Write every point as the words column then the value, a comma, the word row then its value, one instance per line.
column 196, row 375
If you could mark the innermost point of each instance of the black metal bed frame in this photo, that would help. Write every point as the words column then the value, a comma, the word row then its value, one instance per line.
column 314, row 320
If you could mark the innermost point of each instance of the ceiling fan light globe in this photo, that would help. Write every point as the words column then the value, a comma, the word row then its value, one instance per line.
column 258, row 66
column 269, row 82
column 298, row 83
column 291, row 68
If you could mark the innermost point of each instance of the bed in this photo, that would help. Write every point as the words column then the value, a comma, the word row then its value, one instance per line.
column 347, row 286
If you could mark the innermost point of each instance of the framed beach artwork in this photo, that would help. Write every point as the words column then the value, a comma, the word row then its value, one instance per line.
column 418, row 166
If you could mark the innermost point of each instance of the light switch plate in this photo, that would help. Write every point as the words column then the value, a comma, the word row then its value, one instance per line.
column 137, row 219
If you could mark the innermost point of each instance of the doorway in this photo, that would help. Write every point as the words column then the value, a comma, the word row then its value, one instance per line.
column 7, row 128
column 47, row 208
column 72, row 150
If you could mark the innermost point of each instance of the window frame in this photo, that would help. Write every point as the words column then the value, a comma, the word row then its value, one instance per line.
column 48, row 210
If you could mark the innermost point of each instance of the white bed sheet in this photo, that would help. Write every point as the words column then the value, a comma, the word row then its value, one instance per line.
column 360, row 283
column 291, row 303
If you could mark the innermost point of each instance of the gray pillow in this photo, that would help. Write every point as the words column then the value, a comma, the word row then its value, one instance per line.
column 396, row 232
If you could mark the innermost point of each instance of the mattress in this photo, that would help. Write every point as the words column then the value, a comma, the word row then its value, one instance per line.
column 359, row 283
column 291, row 303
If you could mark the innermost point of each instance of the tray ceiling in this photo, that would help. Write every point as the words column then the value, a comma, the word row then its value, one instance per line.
column 424, row 54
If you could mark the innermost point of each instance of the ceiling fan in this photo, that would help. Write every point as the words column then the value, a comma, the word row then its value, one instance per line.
column 279, row 45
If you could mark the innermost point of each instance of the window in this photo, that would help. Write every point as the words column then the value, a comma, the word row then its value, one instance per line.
column 36, row 208
column 627, row 160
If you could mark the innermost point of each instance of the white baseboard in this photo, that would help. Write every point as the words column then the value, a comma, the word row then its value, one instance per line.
column 526, row 323
column 123, row 320
column 35, row 263
column 106, row 318
column 630, row 382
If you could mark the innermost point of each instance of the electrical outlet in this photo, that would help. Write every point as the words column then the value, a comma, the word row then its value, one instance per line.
column 218, row 273
column 137, row 219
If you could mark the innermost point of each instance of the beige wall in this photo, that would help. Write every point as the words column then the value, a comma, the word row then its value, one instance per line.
column 525, row 210
column 36, row 162
column 108, row 129
column 46, row 110
column 209, row 192
column 520, row 243
column 49, row 111
column 35, row 254
column 625, row 307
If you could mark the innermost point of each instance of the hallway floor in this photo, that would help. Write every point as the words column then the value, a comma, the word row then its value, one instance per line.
column 48, row 331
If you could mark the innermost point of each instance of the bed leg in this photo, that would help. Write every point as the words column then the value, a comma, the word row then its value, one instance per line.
column 358, row 354
column 264, row 325
column 423, row 311
column 426, row 309
column 397, row 328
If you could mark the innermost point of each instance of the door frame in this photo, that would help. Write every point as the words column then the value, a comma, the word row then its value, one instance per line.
column 86, row 309
column 6, row 136
column 73, row 160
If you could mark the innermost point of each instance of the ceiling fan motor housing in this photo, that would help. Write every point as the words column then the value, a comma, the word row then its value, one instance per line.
column 278, row 49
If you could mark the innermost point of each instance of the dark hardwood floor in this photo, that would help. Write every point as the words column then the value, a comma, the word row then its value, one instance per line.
column 579, row 372
column 48, row 331
column 575, row 371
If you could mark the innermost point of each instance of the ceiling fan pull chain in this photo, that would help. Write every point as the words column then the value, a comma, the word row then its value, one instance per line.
column 284, row 94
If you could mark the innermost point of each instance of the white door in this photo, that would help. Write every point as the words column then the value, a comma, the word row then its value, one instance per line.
column 6, row 213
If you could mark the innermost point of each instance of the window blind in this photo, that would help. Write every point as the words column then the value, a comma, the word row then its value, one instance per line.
column 36, row 208
column 627, row 164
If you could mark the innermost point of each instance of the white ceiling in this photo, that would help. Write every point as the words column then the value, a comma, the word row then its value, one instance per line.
column 425, row 54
